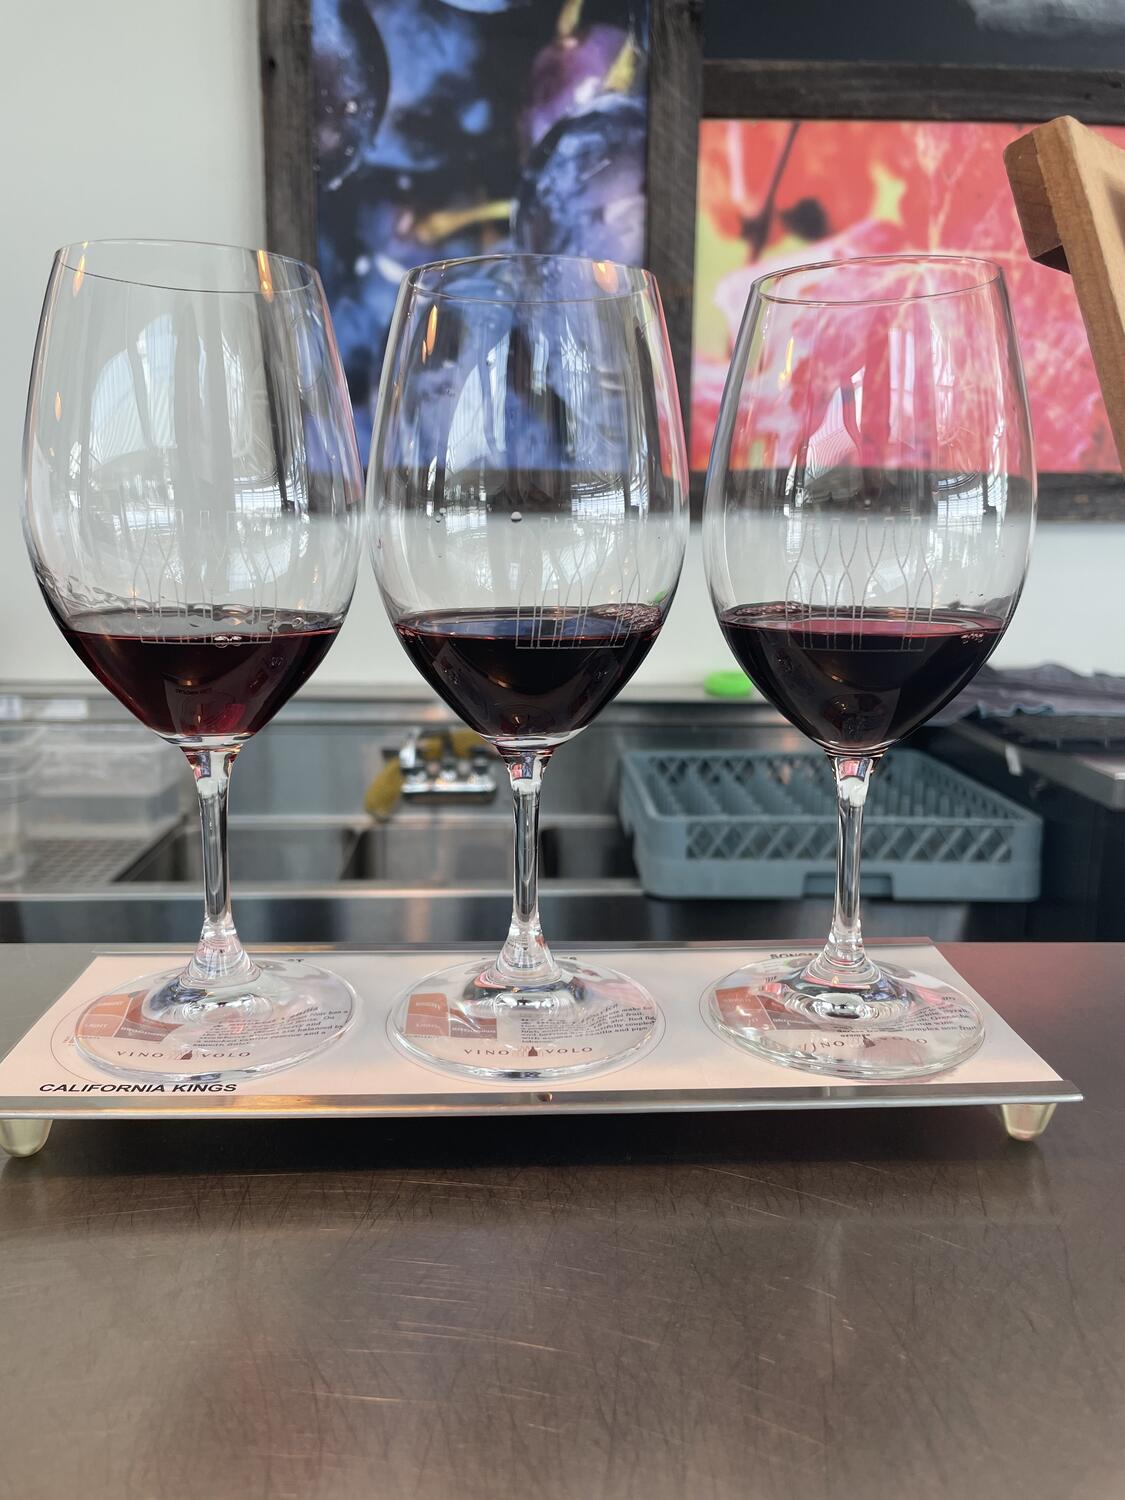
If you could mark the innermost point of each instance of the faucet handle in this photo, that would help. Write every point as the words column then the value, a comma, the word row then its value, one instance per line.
column 447, row 764
column 408, row 753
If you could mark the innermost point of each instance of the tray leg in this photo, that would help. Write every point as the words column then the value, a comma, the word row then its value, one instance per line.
column 24, row 1137
column 1026, row 1122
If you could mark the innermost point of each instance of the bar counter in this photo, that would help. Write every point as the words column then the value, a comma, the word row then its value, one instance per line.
column 823, row 1305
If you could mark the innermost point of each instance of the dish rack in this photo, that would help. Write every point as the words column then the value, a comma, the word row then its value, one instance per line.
column 761, row 825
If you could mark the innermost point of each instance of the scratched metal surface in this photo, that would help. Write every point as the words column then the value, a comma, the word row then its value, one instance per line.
column 815, row 1306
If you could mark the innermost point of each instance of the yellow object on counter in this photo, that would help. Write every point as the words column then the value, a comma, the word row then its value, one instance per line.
column 382, row 796
column 464, row 742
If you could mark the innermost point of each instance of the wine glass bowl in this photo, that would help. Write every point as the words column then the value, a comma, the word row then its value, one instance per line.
column 193, row 514
column 869, row 509
column 528, row 492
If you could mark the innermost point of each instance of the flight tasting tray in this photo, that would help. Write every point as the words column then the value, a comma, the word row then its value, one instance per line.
column 43, row 1078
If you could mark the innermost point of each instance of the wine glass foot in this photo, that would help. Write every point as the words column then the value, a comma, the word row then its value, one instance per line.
column 584, row 1020
column 902, row 1025
column 163, row 1030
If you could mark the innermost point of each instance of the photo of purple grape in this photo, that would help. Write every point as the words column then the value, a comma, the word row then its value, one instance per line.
column 595, row 160
column 351, row 81
column 568, row 74
column 447, row 128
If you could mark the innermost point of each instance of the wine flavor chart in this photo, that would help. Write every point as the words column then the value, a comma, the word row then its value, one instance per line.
column 691, row 1067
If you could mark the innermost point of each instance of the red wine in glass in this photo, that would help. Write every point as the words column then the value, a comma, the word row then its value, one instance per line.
column 190, row 673
column 528, row 485
column 539, row 674
column 872, row 468
column 194, row 516
column 855, row 681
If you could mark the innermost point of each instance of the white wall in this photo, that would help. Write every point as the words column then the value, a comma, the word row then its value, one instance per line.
column 118, row 118
column 142, row 117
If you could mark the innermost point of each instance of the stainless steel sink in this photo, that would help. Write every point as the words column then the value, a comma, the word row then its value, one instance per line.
column 262, row 852
column 474, row 851
column 442, row 850
column 309, row 867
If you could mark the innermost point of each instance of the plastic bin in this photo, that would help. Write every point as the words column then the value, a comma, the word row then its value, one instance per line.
column 20, row 750
column 106, row 776
column 762, row 825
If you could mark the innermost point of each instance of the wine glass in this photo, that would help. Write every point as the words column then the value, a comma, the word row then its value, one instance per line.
column 193, row 513
column 869, row 509
column 527, row 483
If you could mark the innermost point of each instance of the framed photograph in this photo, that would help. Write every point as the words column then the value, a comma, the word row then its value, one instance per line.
column 403, row 131
column 867, row 159
column 398, row 131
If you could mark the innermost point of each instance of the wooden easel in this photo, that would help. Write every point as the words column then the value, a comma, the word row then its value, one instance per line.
column 1069, row 189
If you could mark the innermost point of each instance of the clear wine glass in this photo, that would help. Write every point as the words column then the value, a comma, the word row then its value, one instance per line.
column 528, row 483
column 869, row 511
column 193, row 513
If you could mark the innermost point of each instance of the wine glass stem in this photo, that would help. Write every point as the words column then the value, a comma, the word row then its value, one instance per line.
column 842, row 961
column 220, row 956
column 525, row 958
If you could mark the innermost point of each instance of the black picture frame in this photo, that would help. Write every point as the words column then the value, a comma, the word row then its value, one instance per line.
column 683, row 89
column 735, row 89
column 741, row 89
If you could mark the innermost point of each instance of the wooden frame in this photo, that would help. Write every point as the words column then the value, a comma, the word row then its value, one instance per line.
column 675, row 91
column 285, row 55
column 682, row 90
column 742, row 89
column 1069, row 184
column 674, row 103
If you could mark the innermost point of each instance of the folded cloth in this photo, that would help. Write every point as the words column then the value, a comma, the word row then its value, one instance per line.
column 1050, row 689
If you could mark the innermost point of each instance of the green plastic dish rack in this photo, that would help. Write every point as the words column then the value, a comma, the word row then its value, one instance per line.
column 762, row 825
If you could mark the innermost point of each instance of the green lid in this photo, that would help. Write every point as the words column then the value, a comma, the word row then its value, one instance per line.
column 728, row 684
